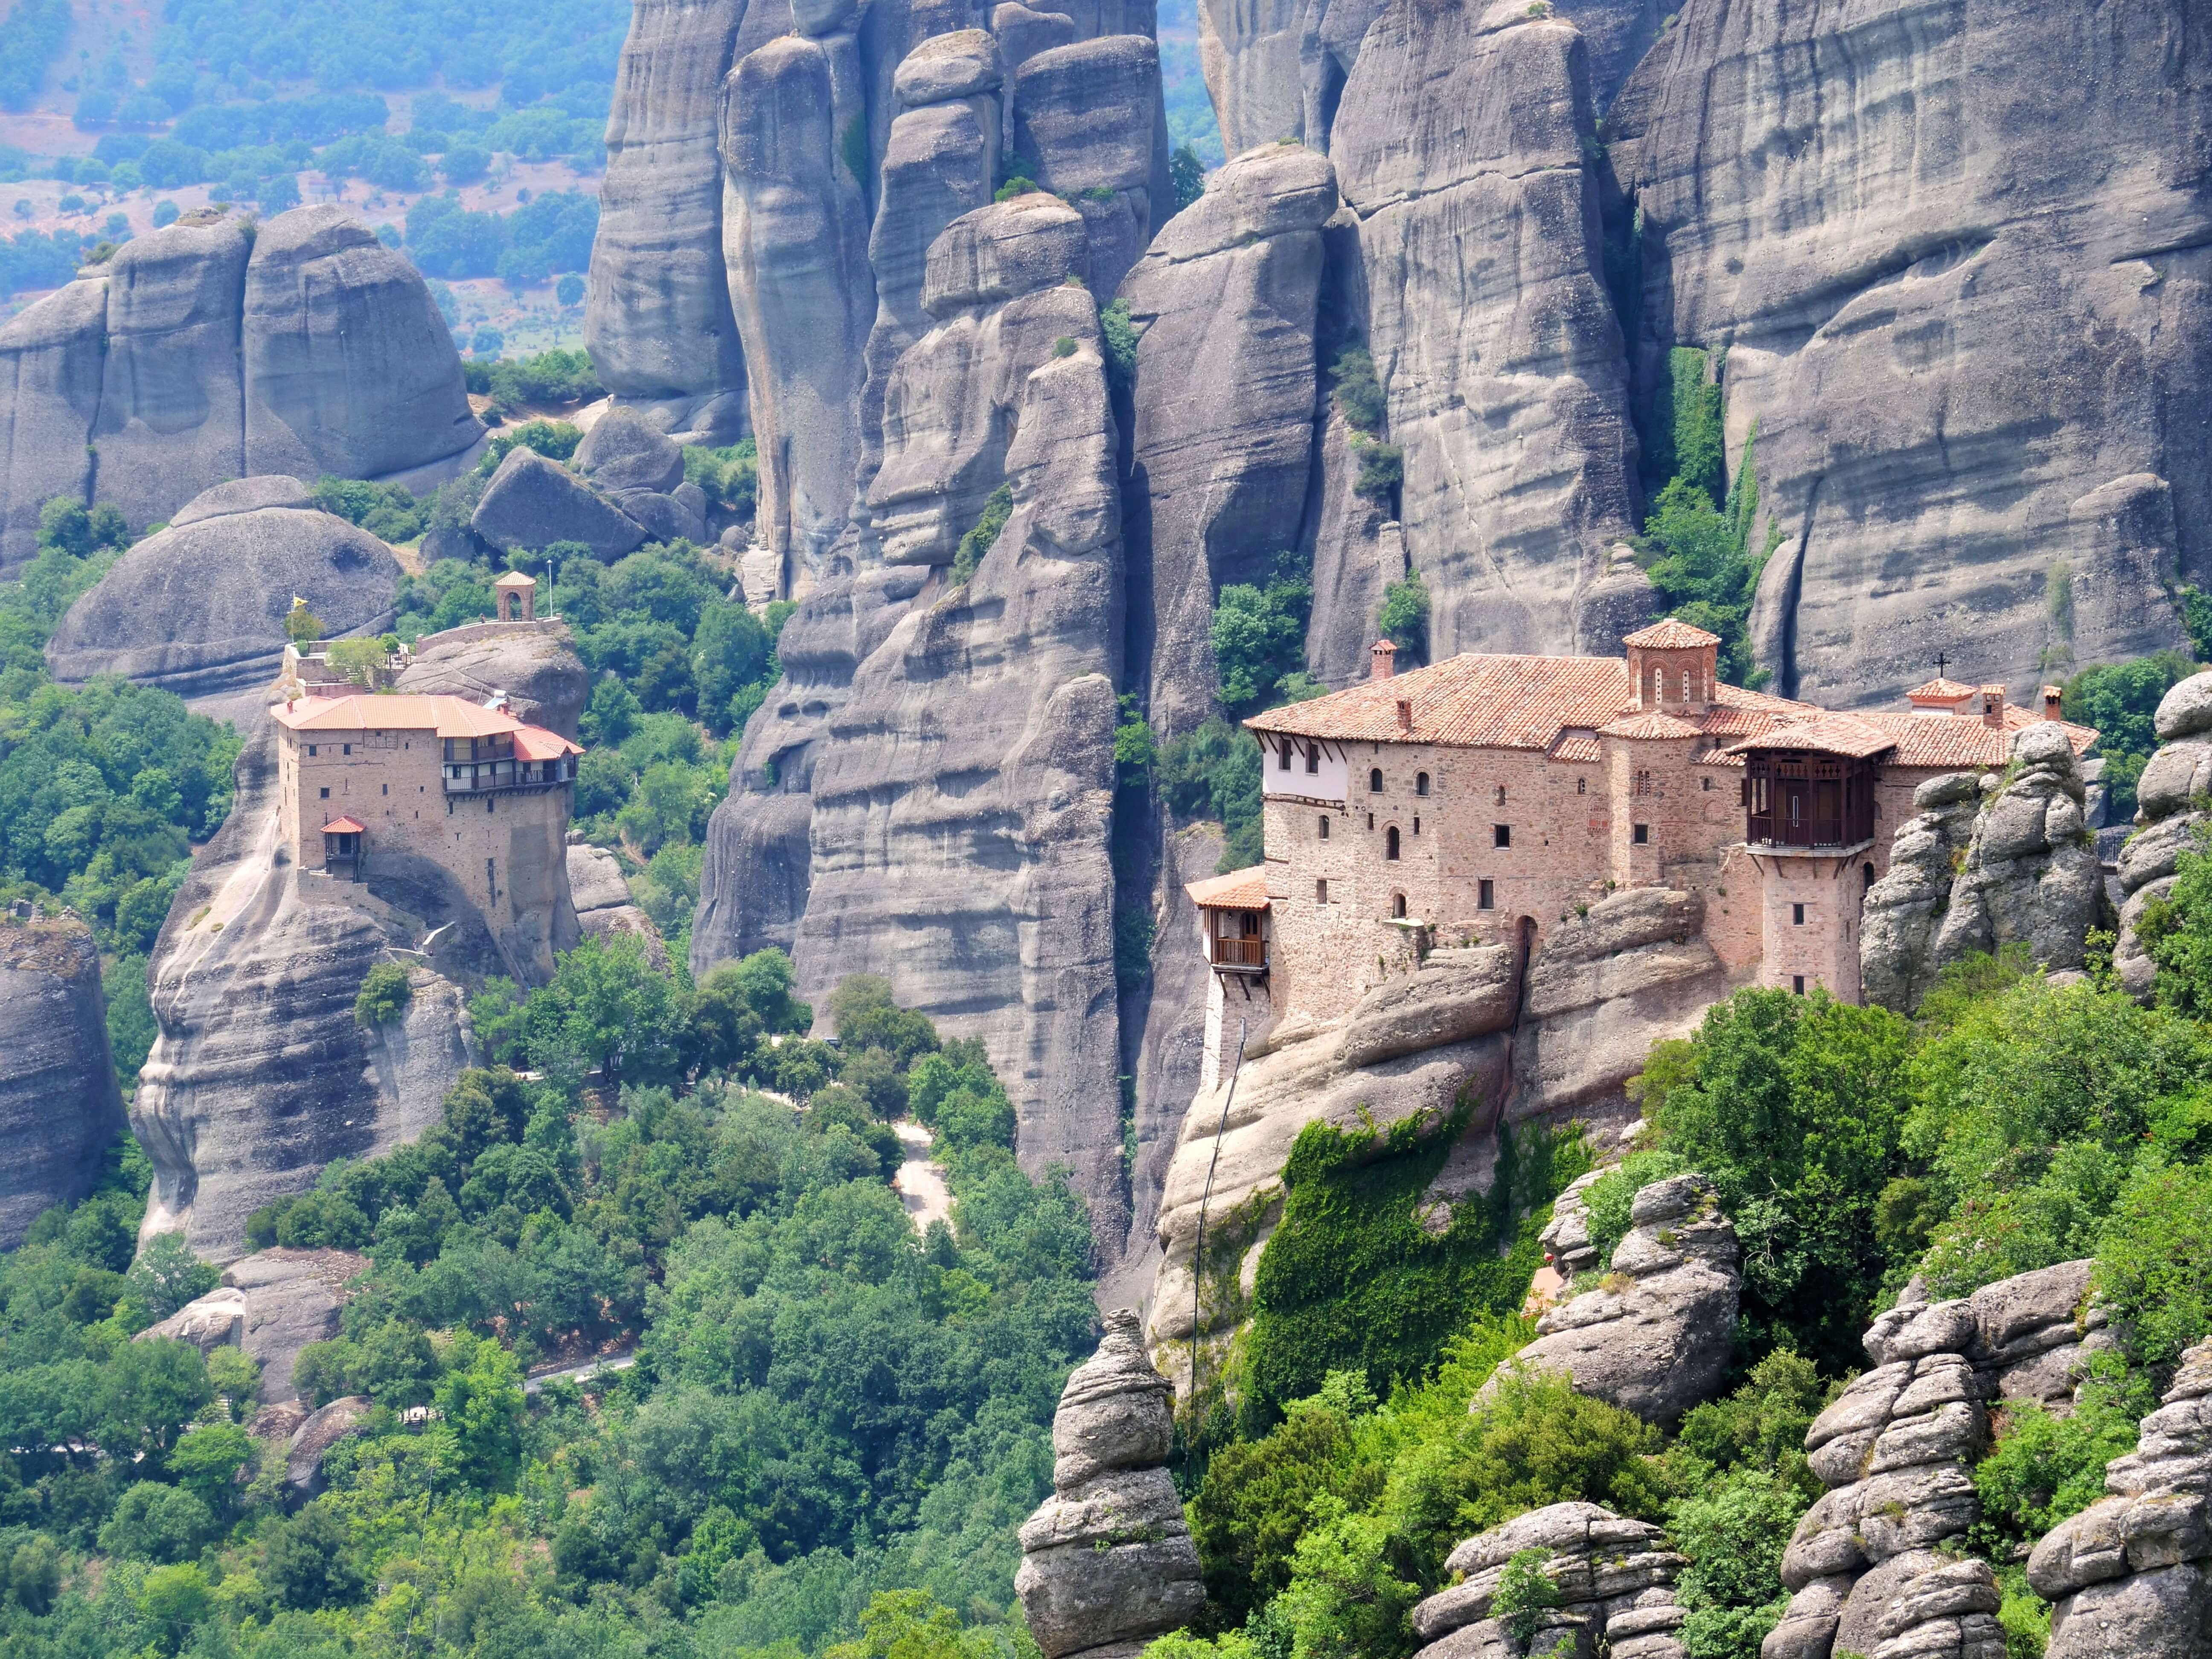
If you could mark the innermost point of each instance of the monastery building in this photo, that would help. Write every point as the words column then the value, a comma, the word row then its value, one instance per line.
column 1485, row 799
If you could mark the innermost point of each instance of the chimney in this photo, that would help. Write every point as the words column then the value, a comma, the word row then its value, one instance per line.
column 1405, row 715
column 1993, row 705
column 1382, row 662
column 2052, row 696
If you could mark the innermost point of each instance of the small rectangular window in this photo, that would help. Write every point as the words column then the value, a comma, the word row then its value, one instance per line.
column 1706, row 785
column 345, row 748
column 1487, row 895
column 1320, row 892
column 1797, row 983
column 1501, row 835
column 1796, row 916
column 1313, row 759
column 1582, row 786
column 1283, row 757
column 1324, row 826
column 311, row 749
column 387, row 789
column 326, row 794
column 1642, row 835
column 1417, row 826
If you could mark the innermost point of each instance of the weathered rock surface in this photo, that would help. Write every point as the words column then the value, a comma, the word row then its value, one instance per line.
column 1949, row 320
column 535, row 664
column 2167, row 818
column 49, row 375
column 200, row 607
column 348, row 367
column 634, row 467
column 533, row 501
column 1107, row 1559
column 59, row 1106
column 2031, row 875
column 323, row 1429
column 199, row 354
column 2132, row 1574
column 603, row 903
column 1903, row 910
column 270, row 1304
column 657, row 318
column 1455, row 996
column 260, row 1073
column 1870, row 1565
column 1225, row 301
column 1615, row 1578
column 1603, row 989
column 795, row 243
column 1089, row 125
column 1655, row 1337
column 1464, row 128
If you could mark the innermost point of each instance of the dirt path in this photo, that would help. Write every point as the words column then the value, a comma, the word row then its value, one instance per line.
column 919, row 1183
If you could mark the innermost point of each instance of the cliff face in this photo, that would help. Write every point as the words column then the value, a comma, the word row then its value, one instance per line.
column 59, row 1106
column 1955, row 254
column 199, row 354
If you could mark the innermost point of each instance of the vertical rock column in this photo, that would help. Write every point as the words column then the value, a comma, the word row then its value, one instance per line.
column 1905, row 907
column 50, row 375
column 2167, row 816
column 1461, row 144
column 1226, row 301
column 1085, row 117
column 59, row 1106
column 1107, row 1561
column 658, row 321
column 794, row 140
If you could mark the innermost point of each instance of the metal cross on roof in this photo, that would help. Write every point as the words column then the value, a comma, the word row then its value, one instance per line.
column 1942, row 662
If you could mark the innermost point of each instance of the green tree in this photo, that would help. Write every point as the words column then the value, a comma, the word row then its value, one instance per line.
column 1404, row 618
column 174, row 1601
column 1187, row 174
column 149, row 1392
column 2119, row 701
column 166, row 1274
column 154, row 1522
column 608, row 1005
column 1259, row 636
column 384, row 995
column 481, row 1409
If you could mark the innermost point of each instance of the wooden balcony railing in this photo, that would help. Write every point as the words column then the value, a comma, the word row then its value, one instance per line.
column 1250, row 954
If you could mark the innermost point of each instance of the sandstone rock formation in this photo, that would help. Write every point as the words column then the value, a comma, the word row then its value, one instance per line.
column 269, row 1304
column 1615, row 1578
column 1226, row 303
column 1903, row 910
column 322, row 1429
column 1089, row 125
column 1972, row 370
column 535, row 665
column 59, row 1106
column 533, row 501
column 2167, row 816
column 260, row 1073
column 657, row 320
column 1465, row 128
column 200, row 607
column 1655, row 1337
column 2027, row 873
column 603, row 903
column 1868, row 1564
column 198, row 355
column 1107, row 1560
column 2131, row 1575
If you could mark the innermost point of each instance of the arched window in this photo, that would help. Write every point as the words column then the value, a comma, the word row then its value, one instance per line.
column 1283, row 754
column 1501, row 795
column 1398, row 906
column 1375, row 782
column 1390, row 843
column 1421, row 783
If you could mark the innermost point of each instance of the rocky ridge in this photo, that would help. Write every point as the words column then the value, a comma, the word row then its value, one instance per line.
column 2168, row 817
column 1107, row 1560
column 205, row 352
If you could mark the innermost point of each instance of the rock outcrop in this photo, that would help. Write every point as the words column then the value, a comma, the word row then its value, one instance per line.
column 1107, row 1560
column 534, row 663
column 59, row 1105
column 1089, row 125
column 603, row 902
column 260, row 1075
column 322, row 1429
column 1654, row 1336
column 533, row 501
column 656, row 320
column 199, row 354
column 1870, row 1564
column 269, row 1305
column 631, row 463
column 2130, row 1577
column 2026, row 872
column 2167, row 817
column 1466, row 128
column 1614, row 1578
column 1226, row 303
column 1949, row 321
column 200, row 607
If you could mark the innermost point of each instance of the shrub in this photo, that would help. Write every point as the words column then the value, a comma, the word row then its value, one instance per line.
column 384, row 995
column 1525, row 1593
column 1403, row 618
column 2045, row 1468
column 1358, row 394
column 984, row 535
column 1609, row 1199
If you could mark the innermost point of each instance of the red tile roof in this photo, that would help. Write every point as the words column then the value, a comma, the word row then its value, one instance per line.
column 535, row 743
column 1826, row 733
column 1956, row 743
column 1940, row 690
column 1670, row 635
column 1476, row 702
column 449, row 717
column 343, row 827
column 1240, row 890
column 1649, row 727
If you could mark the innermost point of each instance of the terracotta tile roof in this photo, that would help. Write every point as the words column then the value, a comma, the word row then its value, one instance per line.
column 1960, row 743
column 1826, row 733
column 1940, row 690
column 1649, row 727
column 343, row 827
column 1579, row 746
column 516, row 578
column 535, row 743
column 1671, row 636
column 1477, row 701
column 1240, row 890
